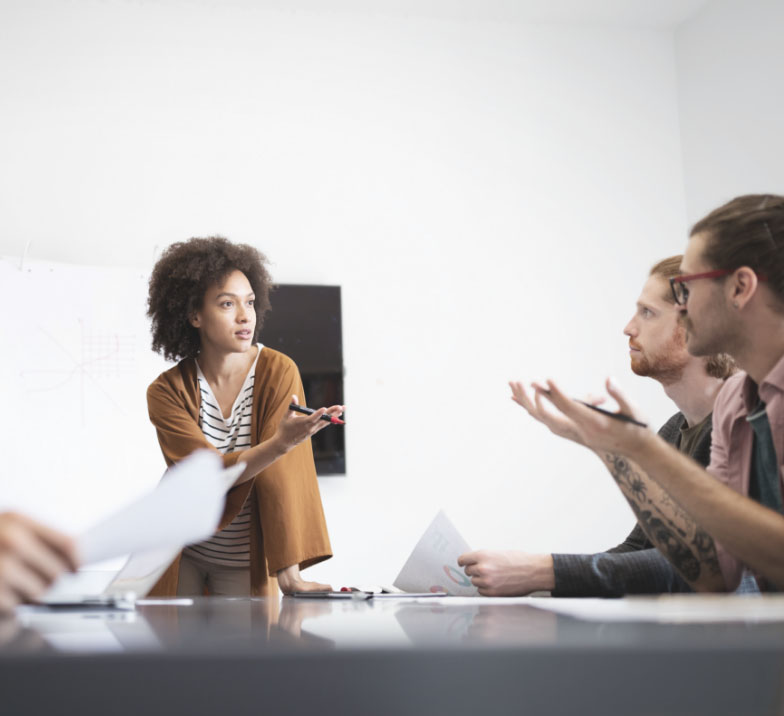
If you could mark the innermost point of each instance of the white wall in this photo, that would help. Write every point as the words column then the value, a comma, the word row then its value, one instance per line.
column 489, row 195
column 730, row 59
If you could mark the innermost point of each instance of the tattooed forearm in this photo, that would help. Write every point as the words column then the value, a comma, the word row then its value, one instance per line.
column 706, row 550
column 686, row 545
column 673, row 508
column 669, row 543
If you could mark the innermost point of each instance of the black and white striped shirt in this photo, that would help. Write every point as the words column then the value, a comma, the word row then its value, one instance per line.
column 229, row 547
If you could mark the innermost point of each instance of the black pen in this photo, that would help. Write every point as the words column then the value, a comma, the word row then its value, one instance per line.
column 309, row 411
column 610, row 414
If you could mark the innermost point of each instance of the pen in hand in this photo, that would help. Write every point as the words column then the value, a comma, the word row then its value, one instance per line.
column 616, row 416
column 610, row 414
column 309, row 411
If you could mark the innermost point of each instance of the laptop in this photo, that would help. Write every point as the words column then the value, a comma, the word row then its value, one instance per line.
column 117, row 590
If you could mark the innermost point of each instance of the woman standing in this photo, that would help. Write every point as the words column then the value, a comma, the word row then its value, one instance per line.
column 207, row 299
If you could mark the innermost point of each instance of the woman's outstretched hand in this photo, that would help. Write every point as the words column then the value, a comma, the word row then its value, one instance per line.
column 294, row 427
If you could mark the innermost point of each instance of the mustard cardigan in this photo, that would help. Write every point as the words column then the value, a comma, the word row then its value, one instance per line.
column 287, row 520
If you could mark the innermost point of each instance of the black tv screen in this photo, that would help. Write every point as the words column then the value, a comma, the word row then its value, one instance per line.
column 304, row 323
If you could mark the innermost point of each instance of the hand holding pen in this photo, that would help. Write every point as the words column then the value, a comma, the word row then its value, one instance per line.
column 326, row 416
column 294, row 428
column 622, row 433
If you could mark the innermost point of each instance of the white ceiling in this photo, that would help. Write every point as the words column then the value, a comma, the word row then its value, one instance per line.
column 655, row 14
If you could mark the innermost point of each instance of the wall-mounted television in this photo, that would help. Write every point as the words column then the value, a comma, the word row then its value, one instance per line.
column 305, row 324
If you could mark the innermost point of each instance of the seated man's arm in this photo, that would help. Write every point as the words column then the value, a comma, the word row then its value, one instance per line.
column 685, row 544
column 637, row 540
column 609, row 574
column 516, row 574
column 688, row 548
column 751, row 533
column 633, row 567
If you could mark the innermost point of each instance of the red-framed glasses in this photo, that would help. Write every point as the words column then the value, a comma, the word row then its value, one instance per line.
column 680, row 291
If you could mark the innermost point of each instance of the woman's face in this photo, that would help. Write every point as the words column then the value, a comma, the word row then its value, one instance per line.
column 227, row 319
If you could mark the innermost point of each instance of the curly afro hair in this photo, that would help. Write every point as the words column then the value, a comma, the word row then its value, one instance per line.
column 180, row 281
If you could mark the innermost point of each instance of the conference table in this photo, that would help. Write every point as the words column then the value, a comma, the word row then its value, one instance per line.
column 669, row 655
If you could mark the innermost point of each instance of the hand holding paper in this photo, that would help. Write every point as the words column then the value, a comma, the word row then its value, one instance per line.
column 432, row 566
column 184, row 508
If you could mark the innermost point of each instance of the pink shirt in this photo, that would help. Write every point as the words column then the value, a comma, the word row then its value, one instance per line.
column 733, row 437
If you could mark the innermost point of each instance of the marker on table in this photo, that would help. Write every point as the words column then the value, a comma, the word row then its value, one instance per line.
column 309, row 411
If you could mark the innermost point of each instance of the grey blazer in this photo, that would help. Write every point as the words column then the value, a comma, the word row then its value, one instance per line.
column 635, row 566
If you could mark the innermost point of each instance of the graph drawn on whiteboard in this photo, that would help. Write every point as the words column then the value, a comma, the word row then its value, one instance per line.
column 99, row 355
column 79, row 350
column 74, row 370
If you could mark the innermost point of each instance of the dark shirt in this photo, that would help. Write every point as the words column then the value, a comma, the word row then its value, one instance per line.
column 692, row 435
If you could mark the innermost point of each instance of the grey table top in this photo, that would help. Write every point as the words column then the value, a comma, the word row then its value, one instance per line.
column 236, row 626
column 385, row 657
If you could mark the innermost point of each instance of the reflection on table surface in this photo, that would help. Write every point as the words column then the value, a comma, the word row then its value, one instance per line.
column 232, row 626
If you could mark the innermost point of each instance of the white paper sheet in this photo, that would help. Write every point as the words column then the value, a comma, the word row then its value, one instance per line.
column 184, row 508
column 672, row 608
column 432, row 566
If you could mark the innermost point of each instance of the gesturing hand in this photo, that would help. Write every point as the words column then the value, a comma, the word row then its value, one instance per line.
column 597, row 431
column 558, row 424
column 294, row 428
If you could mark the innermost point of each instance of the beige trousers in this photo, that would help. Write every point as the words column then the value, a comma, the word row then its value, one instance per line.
column 197, row 574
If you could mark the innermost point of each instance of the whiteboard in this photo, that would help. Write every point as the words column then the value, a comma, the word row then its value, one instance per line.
column 74, row 368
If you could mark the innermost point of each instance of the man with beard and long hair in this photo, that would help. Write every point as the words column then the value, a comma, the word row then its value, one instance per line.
column 657, row 349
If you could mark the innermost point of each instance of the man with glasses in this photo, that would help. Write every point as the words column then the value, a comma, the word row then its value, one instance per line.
column 657, row 349
column 731, row 295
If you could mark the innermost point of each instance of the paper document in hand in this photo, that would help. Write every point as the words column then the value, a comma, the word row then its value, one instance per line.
column 432, row 566
column 184, row 508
